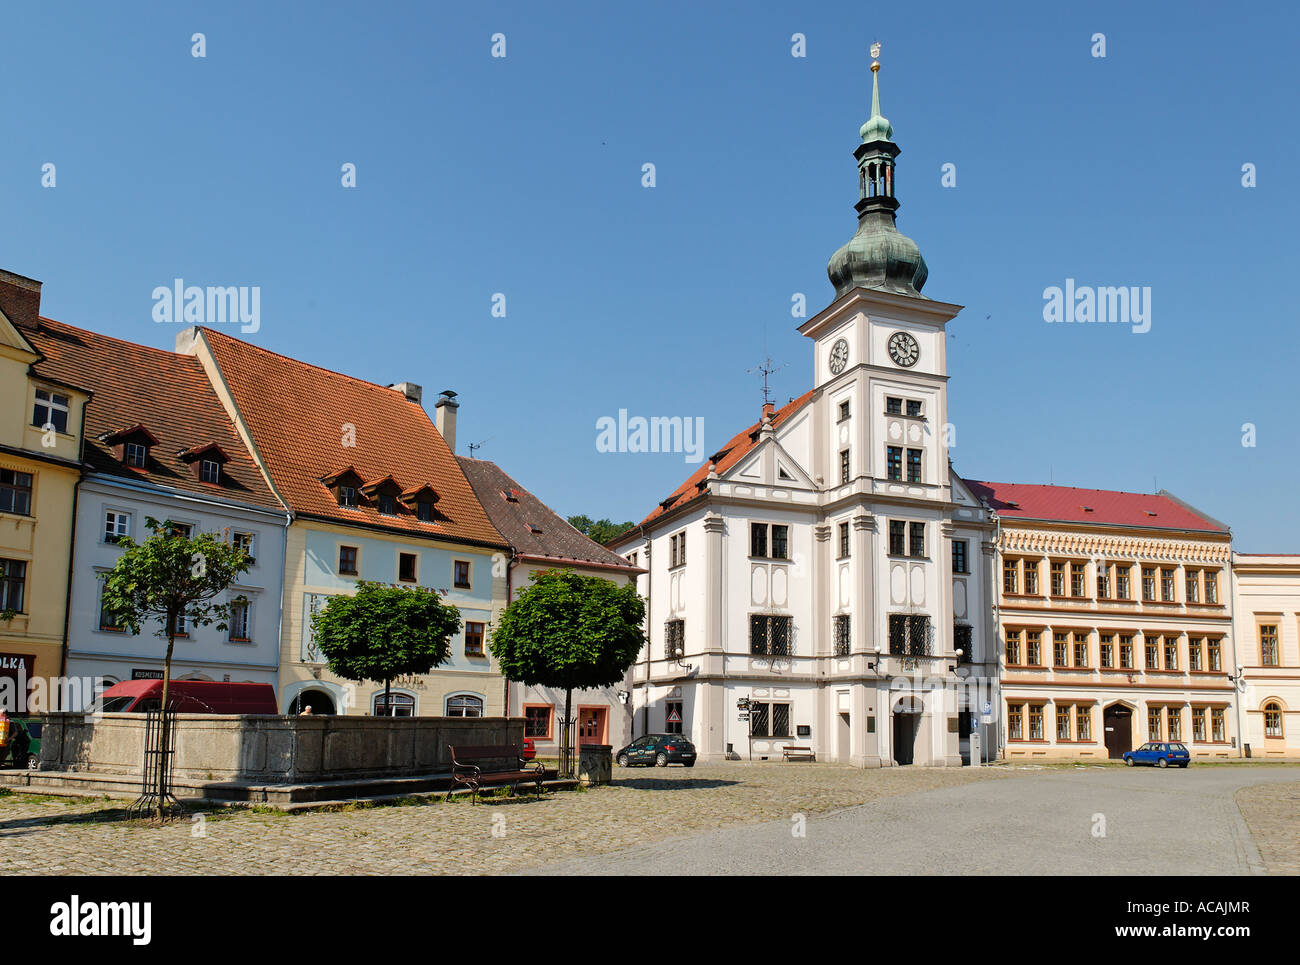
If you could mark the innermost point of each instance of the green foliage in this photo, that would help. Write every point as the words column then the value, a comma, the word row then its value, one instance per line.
column 569, row 631
column 600, row 530
column 385, row 631
column 169, row 575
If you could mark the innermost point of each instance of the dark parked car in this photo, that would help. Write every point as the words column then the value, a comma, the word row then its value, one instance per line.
column 25, row 746
column 657, row 750
column 1159, row 753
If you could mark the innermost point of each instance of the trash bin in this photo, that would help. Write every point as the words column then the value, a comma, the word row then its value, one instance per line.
column 595, row 763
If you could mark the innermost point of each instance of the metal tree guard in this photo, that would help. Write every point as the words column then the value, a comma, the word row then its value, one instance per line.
column 156, row 795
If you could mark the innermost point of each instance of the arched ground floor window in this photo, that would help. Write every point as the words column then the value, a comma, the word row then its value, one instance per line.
column 398, row 705
column 464, row 705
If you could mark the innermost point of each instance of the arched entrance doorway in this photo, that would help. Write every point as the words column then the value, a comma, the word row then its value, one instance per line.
column 1118, row 723
column 317, row 700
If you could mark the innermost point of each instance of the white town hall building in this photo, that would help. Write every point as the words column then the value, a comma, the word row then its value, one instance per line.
column 825, row 579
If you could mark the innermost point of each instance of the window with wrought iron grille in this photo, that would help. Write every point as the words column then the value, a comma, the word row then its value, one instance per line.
column 674, row 639
column 769, row 719
column 909, row 635
column 961, row 640
column 769, row 635
column 842, row 635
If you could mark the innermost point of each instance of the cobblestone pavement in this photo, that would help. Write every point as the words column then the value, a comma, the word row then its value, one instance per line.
column 1272, row 812
column 725, row 818
column 56, row 836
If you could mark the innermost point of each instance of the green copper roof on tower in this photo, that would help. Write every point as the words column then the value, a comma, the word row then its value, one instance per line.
column 877, row 127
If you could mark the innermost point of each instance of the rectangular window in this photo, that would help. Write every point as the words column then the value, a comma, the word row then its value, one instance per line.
column 460, row 574
column 537, row 723
column 844, row 467
column 136, row 454
column 1126, row 651
column 677, row 550
column 842, row 640
column 897, row 537
column 239, row 624
column 1194, row 647
column 914, row 465
column 914, row 408
column 1060, row 649
column 1033, row 648
column 1214, row 653
column 1154, row 727
column 844, row 411
column 758, row 539
column 1192, row 586
column 909, row 635
column 1080, row 649
column 1174, row 722
column 406, row 567
column 387, row 504
column 1103, row 581
column 51, row 409
column 894, row 462
column 1212, row 586
column 675, row 639
column 844, row 541
column 1167, row 586
column 959, row 556
column 1010, row 576
column 348, row 497
column 107, row 621
column 1031, row 577
column 1013, row 648
column 1152, row 651
column 1121, row 583
column 473, row 639
column 780, row 542
column 117, row 526
column 1082, row 723
column 13, row 584
column 916, row 540
column 15, row 492
column 1064, row 720
column 1036, row 722
column 1015, row 722
column 210, row 471
column 769, row 635
column 1078, row 579
column 673, row 717
column 1218, row 729
column 1148, row 583
column 1268, row 652
column 246, row 542
column 182, row 529
column 1198, row 724
column 893, row 406
column 1171, row 653
column 776, row 548
column 424, row 511
column 769, row 720
column 1058, row 579
column 1106, row 644
column 348, row 560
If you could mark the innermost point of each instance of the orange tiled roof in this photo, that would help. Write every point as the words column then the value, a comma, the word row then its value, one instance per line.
column 736, row 449
column 166, row 394
column 296, row 414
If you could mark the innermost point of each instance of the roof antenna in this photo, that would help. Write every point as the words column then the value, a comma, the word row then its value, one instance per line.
column 767, row 368
column 479, row 445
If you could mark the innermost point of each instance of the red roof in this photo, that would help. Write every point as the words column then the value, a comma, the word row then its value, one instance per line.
column 1097, row 506
column 167, row 394
column 296, row 414
column 735, row 450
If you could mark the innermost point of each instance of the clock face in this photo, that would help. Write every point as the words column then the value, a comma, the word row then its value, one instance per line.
column 903, row 349
column 839, row 356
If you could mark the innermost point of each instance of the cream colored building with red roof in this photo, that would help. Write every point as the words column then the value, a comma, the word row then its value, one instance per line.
column 1115, row 615
column 824, row 581
column 374, row 493
column 1266, row 614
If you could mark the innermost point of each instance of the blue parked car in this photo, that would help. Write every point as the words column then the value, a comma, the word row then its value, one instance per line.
column 1159, row 753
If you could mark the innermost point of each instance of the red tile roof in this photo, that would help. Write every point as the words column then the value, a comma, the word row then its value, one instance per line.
column 736, row 449
column 166, row 394
column 1097, row 506
column 296, row 414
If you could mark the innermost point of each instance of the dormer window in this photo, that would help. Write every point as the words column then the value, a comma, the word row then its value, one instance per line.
column 384, row 493
column 136, row 454
column 421, row 500
column 347, row 497
column 135, row 443
column 207, row 460
column 210, row 471
column 388, row 504
column 346, row 487
column 424, row 511
column 51, row 409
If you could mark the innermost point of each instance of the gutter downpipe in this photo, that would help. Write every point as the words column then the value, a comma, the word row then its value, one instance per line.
column 510, row 565
column 279, row 635
column 1238, row 674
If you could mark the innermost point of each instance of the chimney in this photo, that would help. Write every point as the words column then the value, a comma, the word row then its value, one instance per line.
column 20, row 300
column 412, row 391
column 769, row 409
column 445, row 417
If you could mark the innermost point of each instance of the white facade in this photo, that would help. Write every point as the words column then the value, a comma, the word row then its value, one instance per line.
column 1266, row 622
column 204, row 653
column 860, row 702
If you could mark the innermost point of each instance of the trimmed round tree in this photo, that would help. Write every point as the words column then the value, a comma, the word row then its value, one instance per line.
column 569, row 632
column 385, row 631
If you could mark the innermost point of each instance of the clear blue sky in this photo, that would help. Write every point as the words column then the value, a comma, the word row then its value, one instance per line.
column 523, row 176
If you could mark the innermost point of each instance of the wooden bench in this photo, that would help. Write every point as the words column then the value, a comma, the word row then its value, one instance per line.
column 792, row 753
column 476, row 766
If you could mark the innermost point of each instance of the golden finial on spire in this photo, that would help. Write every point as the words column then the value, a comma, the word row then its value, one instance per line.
column 875, row 53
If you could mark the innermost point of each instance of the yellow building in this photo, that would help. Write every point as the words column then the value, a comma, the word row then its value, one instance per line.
column 40, row 445
column 1266, row 616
